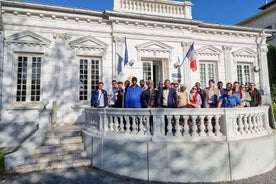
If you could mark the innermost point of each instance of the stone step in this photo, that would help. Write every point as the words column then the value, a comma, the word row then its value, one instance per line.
column 51, row 165
column 61, row 140
column 63, row 133
column 48, row 157
column 59, row 148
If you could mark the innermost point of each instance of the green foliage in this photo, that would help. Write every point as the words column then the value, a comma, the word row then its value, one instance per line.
column 271, row 58
column 273, row 97
column 2, row 166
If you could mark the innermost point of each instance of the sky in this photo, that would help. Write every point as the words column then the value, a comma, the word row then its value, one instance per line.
column 211, row 11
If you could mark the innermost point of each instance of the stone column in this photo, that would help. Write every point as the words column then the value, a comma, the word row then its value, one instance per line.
column 262, row 68
column 227, row 63
column 59, row 48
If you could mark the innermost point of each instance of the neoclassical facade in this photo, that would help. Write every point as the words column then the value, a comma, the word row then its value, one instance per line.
column 59, row 54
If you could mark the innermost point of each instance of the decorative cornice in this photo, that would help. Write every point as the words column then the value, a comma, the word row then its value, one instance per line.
column 55, row 15
column 43, row 11
column 88, row 42
column 27, row 38
column 244, row 53
column 154, row 46
column 209, row 50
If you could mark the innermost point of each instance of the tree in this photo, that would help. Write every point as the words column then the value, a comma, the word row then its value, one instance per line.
column 271, row 58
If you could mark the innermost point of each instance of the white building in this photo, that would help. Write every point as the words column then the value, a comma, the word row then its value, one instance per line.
column 264, row 19
column 60, row 54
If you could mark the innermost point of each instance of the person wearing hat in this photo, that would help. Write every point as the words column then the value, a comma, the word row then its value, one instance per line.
column 133, row 95
column 230, row 100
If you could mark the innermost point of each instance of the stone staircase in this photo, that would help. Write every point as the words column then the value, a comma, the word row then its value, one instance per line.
column 62, row 148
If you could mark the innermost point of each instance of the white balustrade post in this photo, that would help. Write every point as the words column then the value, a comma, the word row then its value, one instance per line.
column 255, row 124
column 170, row 126
column 116, row 124
column 146, row 125
column 250, row 123
column 260, row 122
column 228, row 124
column 140, row 125
column 246, row 123
column 186, row 127
column 194, row 126
column 134, row 125
column 177, row 126
column 101, row 121
column 210, row 126
column 241, row 126
column 158, row 123
column 217, row 126
column 202, row 132
column 109, row 123
column 127, row 124
column 265, row 119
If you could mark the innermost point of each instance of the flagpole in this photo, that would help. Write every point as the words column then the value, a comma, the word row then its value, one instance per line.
column 187, row 54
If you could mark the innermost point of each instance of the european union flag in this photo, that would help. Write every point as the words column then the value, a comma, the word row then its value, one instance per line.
column 126, row 53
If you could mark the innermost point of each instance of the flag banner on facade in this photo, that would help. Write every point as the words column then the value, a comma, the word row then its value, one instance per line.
column 126, row 53
column 191, row 56
column 120, row 61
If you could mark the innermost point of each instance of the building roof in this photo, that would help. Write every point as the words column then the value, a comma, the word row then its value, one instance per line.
column 127, row 15
column 268, row 5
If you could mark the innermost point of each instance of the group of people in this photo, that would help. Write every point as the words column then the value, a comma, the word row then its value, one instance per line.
column 171, row 95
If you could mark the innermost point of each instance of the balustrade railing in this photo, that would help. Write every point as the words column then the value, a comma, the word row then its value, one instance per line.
column 179, row 124
column 169, row 8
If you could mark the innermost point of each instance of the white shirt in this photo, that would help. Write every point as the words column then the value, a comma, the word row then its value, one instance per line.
column 101, row 98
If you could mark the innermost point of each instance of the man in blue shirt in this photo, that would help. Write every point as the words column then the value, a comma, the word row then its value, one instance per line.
column 99, row 97
column 230, row 100
column 133, row 95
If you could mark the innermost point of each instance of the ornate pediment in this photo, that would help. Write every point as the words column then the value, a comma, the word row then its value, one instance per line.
column 27, row 37
column 88, row 42
column 154, row 46
column 244, row 53
column 208, row 51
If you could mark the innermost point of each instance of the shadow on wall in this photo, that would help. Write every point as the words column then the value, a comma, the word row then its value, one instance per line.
column 16, row 133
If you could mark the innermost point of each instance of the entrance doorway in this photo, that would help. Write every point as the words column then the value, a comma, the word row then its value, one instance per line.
column 153, row 70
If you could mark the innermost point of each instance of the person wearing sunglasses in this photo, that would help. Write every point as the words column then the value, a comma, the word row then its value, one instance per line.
column 195, row 99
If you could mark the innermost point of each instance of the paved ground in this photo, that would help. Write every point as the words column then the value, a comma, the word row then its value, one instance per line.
column 86, row 175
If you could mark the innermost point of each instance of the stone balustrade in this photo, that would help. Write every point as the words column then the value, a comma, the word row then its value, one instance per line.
column 180, row 124
column 161, row 7
column 181, row 145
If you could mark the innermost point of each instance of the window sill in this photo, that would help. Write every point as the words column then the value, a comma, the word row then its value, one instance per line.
column 26, row 106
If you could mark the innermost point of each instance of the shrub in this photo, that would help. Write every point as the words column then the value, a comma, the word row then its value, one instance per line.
column 273, row 97
column 2, row 166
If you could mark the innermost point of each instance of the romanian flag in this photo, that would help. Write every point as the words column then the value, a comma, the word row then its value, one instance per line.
column 191, row 56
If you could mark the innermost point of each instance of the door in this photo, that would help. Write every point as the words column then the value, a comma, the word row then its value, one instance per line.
column 152, row 70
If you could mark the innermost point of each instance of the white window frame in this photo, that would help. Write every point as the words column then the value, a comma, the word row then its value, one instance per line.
column 147, row 77
column 29, row 79
column 207, row 74
column 89, row 80
column 243, row 74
